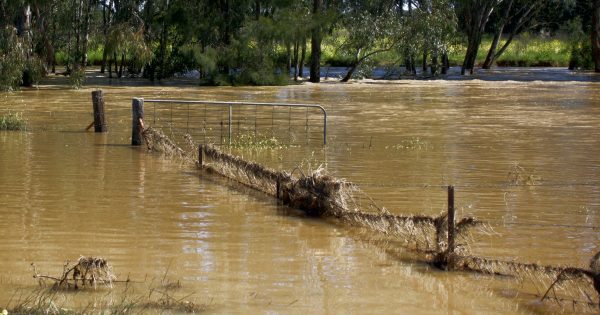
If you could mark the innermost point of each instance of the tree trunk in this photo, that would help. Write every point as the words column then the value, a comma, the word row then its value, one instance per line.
column 424, row 63
column 476, row 15
column 445, row 63
column 86, row 33
column 350, row 72
column 44, row 31
column 257, row 10
column 434, row 61
column 296, row 47
column 489, row 59
column 288, row 57
column 302, row 58
column 491, row 55
column 595, row 34
column 24, row 21
column 110, row 70
column 105, row 19
column 121, row 66
column 471, row 54
column 315, row 49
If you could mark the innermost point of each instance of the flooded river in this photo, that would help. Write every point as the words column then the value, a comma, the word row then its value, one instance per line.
column 66, row 193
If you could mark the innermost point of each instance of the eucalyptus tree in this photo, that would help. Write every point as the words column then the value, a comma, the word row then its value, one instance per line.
column 595, row 34
column 324, row 15
column 20, row 53
column 519, row 16
column 474, row 17
column 434, row 29
column 369, row 28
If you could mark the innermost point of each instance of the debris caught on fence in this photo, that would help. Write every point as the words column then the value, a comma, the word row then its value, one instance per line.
column 319, row 194
column 87, row 271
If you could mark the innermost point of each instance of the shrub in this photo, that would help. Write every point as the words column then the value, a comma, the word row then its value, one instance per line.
column 12, row 60
column 12, row 121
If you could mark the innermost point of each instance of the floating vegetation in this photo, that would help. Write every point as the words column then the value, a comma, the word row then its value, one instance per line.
column 256, row 142
column 88, row 271
column 412, row 144
column 77, row 78
column 13, row 121
column 518, row 175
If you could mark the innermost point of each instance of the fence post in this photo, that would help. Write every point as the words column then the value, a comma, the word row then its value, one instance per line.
column 137, row 121
column 278, row 188
column 200, row 153
column 98, row 105
column 230, row 114
column 451, row 220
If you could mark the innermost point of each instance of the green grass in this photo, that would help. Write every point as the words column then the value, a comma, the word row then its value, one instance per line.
column 94, row 57
column 13, row 121
column 525, row 51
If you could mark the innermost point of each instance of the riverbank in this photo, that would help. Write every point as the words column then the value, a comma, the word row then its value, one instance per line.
column 333, row 75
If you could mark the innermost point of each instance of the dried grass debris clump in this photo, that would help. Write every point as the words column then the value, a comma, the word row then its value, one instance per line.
column 157, row 141
column 86, row 272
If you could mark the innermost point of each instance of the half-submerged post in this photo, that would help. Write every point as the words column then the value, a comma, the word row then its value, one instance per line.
column 451, row 220
column 137, row 121
column 200, row 153
column 99, row 119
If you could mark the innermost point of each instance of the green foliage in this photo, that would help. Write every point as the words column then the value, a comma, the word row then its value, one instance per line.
column 525, row 51
column 252, row 42
column 77, row 78
column 580, row 46
column 12, row 59
column 535, row 51
column 13, row 121
column 34, row 71
column 125, row 39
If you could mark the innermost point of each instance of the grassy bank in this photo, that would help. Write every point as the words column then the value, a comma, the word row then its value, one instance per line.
column 525, row 51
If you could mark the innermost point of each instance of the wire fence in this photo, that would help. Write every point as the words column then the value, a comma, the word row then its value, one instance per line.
column 224, row 123
column 429, row 237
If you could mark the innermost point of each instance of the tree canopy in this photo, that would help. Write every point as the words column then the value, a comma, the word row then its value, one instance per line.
column 264, row 41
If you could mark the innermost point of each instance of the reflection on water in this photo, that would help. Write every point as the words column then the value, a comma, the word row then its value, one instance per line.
column 65, row 193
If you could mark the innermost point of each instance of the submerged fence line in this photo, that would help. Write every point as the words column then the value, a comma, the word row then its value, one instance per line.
column 442, row 240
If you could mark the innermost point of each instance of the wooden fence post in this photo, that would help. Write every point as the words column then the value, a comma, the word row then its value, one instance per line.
column 200, row 153
column 278, row 188
column 137, row 121
column 98, row 104
column 451, row 220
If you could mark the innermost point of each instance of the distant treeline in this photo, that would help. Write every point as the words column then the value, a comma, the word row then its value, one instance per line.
column 260, row 41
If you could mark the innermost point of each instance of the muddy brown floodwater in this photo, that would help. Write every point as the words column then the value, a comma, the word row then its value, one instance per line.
column 66, row 193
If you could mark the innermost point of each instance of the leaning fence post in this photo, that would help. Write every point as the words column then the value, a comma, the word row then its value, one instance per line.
column 137, row 121
column 98, row 105
column 278, row 188
column 451, row 220
column 200, row 153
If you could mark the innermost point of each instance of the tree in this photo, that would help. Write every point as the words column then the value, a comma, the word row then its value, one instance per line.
column 315, row 42
column 475, row 15
column 370, row 28
column 519, row 16
column 595, row 34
